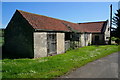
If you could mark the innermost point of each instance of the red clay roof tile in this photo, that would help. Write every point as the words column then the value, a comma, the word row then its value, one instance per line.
column 94, row 27
column 48, row 23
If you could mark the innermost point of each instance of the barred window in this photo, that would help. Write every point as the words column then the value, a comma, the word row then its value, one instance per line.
column 51, row 41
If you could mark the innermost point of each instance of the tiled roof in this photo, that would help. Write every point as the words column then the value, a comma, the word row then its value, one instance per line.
column 47, row 23
column 94, row 27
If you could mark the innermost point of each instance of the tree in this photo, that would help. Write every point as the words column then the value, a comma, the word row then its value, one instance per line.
column 116, row 22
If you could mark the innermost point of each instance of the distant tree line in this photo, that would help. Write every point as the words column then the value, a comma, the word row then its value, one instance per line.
column 2, row 32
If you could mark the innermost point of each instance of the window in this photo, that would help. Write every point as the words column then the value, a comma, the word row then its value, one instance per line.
column 96, row 38
column 108, row 29
column 52, row 36
column 67, row 36
column 107, row 37
column 51, row 41
column 75, row 37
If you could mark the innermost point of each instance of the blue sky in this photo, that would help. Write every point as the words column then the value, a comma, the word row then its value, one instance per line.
column 60, row 0
column 76, row 12
column 119, row 5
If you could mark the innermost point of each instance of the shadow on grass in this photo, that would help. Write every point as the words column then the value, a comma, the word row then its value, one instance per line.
column 10, row 55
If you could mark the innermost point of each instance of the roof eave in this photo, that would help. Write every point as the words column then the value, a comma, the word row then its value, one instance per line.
column 47, row 30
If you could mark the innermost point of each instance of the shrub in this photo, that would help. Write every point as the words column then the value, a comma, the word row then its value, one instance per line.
column 114, row 38
column 117, row 41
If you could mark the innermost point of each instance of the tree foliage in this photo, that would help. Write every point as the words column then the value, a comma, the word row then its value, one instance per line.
column 116, row 22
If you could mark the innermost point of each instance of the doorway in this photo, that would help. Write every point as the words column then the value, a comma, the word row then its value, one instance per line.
column 52, row 43
column 96, row 40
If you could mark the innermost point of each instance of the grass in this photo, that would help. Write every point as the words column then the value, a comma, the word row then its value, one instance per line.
column 54, row 66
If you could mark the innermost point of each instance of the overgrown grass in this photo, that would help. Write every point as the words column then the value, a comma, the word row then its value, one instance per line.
column 54, row 66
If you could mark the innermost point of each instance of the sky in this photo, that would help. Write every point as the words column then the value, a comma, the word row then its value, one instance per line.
column 119, row 5
column 77, row 12
column 59, row 0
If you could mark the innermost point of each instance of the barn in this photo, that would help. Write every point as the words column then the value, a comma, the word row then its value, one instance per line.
column 31, row 35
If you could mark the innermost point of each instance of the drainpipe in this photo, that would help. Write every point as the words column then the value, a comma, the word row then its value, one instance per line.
column 110, row 22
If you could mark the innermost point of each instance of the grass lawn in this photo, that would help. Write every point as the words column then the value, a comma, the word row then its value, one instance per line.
column 54, row 66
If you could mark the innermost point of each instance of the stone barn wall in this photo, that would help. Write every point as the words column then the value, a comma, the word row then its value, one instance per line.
column 60, row 43
column 86, row 39
column 82, row 40
column 107, row 34
column 40, row 44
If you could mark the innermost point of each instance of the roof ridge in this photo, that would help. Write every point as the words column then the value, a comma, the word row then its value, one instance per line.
column 44, row 23
column 44, row 16
column 92, row 22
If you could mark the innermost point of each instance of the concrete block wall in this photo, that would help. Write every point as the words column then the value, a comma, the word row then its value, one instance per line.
column 60, row 43
column 85, row 42
column 89, row 40
column 107, row 34
column 40, row 44
column 82, row 39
